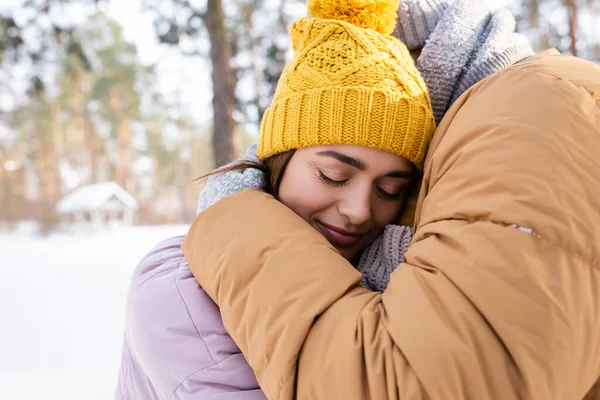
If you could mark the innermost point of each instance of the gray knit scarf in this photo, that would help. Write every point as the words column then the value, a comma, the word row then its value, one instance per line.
column 461, row 43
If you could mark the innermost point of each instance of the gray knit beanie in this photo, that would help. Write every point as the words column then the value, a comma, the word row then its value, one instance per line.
column 462, row 42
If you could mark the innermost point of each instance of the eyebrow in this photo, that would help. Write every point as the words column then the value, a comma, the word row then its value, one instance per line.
column 354, row 162
column 401, row 174
column 360, row 165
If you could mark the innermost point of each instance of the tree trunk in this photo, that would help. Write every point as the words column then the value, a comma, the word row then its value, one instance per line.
column 223, row 84
column 533, row 19
column 46, row 158
column 572, row 17
column 123, row 175
column 92, row 148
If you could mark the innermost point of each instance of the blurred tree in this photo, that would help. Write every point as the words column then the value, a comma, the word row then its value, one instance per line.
column 13, row 200
column 248, row 42
column 115, row 91
column 92, row 113
column 261, row 47
column 223, row 83
column 571, row 6
column 32, row 34
column 39, row 126
column 568, row 25
column 180, row 23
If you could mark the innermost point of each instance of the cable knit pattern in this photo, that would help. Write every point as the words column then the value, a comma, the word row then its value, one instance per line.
column 462, row 43
column 348, row 85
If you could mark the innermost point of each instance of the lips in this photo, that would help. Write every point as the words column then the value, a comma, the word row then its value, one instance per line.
column 340, row 237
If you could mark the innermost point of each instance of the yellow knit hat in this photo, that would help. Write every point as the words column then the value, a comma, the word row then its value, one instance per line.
column 350, row 82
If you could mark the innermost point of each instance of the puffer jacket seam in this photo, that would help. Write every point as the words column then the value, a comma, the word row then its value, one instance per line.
column 146, row 280
column 558, row 78
column 200, row 371
column 524, row 230
column 181, row 263
column 536, row 235
column 128, row 372
column 153, row 252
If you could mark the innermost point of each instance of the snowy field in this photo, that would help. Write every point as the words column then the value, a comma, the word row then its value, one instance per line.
column 62, row 310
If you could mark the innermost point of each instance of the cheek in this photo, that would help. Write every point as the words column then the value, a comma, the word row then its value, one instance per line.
column 386, row 212
column 302, row 193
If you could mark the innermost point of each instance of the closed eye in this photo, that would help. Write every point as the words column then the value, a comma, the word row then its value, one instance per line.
column 331, row 182
column 386, row 195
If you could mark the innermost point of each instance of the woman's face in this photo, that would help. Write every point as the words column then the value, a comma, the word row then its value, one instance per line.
column 348, row 193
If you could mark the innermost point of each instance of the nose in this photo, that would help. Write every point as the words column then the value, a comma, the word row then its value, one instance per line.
column 356, row 206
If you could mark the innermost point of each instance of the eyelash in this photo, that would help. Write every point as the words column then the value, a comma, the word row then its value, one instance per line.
column 331, row 182
column 328, row 181
column 386, row 195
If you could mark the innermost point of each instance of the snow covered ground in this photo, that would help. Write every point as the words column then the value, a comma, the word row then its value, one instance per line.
column 62, row 310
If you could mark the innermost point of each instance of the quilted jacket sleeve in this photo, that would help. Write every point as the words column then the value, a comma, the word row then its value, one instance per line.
column 499, row 295
column 175, row 344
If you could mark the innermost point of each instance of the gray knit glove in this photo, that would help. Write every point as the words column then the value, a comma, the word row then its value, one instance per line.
column 462, row 42
column 225, row 184
column 382, row 257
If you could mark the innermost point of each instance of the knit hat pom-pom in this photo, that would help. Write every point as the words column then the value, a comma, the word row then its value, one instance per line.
column 379, row 15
